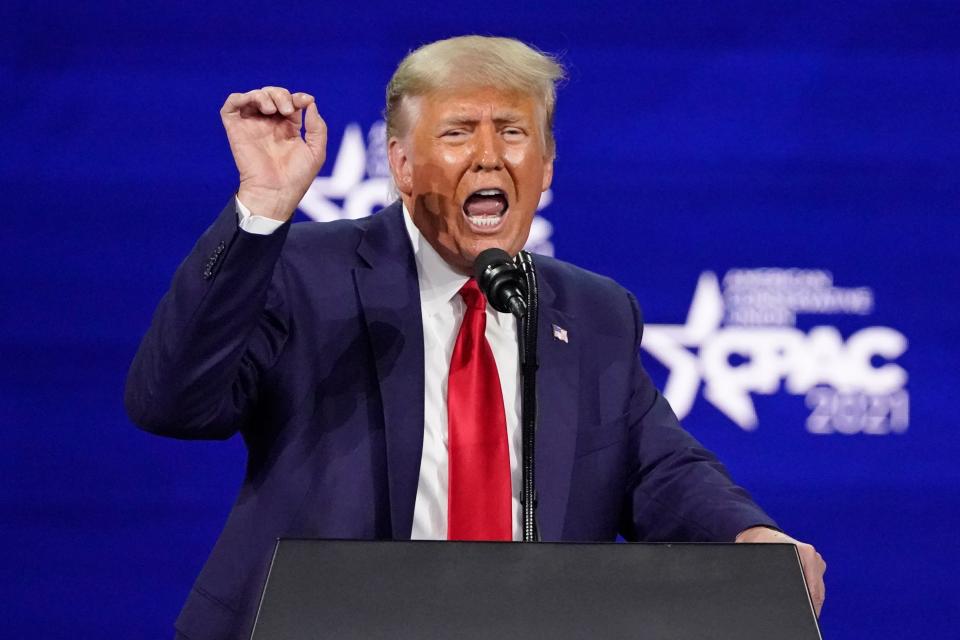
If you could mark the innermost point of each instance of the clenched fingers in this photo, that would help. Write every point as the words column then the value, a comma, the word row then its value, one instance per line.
column 301, row 100
column 811, row 561
column 813, row 569
column 281, row 99
column 256, row 101
column 267, row 101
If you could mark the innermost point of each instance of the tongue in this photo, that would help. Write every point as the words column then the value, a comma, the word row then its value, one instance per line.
column 484, row 206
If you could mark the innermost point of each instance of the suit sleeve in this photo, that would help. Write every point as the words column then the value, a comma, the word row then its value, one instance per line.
column 221, row 324
column 677, row 490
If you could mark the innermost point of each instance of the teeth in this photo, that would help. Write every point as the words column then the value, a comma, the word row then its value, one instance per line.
column 488, row 192
column 484, row 221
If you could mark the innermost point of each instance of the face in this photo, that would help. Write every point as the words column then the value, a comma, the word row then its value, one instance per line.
column 470, row 169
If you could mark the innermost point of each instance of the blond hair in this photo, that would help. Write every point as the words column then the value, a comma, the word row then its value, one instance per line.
column 480, row 61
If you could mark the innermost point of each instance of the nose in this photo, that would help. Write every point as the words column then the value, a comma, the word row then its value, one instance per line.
column 488, row 155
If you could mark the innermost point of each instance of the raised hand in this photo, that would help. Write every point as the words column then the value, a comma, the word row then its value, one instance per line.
column 276, row 164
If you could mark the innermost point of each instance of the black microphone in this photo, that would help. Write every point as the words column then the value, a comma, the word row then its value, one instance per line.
column 501, row 282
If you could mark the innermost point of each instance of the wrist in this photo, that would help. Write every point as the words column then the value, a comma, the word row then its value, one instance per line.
column 267, row 203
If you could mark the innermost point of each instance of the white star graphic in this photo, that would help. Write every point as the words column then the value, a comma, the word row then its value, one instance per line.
column 674, row 345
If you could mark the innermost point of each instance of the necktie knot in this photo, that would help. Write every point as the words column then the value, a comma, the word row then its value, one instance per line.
column 472, row 296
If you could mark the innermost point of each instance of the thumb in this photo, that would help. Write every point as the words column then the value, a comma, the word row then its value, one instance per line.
column 315, row 133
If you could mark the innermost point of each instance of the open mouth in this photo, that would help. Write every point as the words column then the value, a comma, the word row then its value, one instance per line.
column 485, row 208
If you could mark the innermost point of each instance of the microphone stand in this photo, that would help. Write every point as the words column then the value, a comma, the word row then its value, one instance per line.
column 527, row 347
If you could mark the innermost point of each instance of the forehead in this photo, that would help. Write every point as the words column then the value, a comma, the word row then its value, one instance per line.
column 475, row 102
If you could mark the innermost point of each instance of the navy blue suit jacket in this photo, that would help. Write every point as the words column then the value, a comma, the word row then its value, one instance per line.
column 309, row 343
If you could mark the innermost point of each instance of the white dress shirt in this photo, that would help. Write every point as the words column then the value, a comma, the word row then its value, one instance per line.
column 441, row 310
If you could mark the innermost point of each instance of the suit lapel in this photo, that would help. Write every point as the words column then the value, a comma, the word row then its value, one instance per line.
column 558, row 391
column 390, row 297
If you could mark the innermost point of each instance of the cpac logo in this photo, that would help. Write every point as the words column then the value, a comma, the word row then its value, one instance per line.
column 360, row 182
column 742, row 340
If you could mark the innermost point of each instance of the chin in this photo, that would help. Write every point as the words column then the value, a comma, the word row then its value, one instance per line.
column 476, row 248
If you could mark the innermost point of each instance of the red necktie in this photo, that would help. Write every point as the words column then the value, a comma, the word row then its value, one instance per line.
column 479, row 498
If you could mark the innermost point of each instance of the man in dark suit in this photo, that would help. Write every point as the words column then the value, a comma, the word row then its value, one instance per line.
column 350, row 355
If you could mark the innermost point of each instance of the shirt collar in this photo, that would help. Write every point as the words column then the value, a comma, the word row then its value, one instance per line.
column 439, row 283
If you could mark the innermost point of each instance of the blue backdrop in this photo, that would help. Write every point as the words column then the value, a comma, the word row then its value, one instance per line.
column 777, row 182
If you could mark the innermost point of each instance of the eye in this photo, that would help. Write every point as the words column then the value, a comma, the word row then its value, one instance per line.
column 514, row 133
column 453, row 134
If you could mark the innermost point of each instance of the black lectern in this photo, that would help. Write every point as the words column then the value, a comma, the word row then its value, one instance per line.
column 398, row 590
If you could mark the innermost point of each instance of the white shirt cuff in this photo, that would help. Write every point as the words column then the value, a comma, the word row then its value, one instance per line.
column 259, row 225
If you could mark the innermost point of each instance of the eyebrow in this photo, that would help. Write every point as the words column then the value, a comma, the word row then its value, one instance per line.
column 505, row 117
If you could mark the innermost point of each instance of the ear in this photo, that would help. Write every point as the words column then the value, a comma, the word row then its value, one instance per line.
column 400, row 166
column 547, row 173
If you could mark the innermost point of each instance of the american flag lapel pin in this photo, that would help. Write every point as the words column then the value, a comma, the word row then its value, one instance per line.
column 560, row 334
